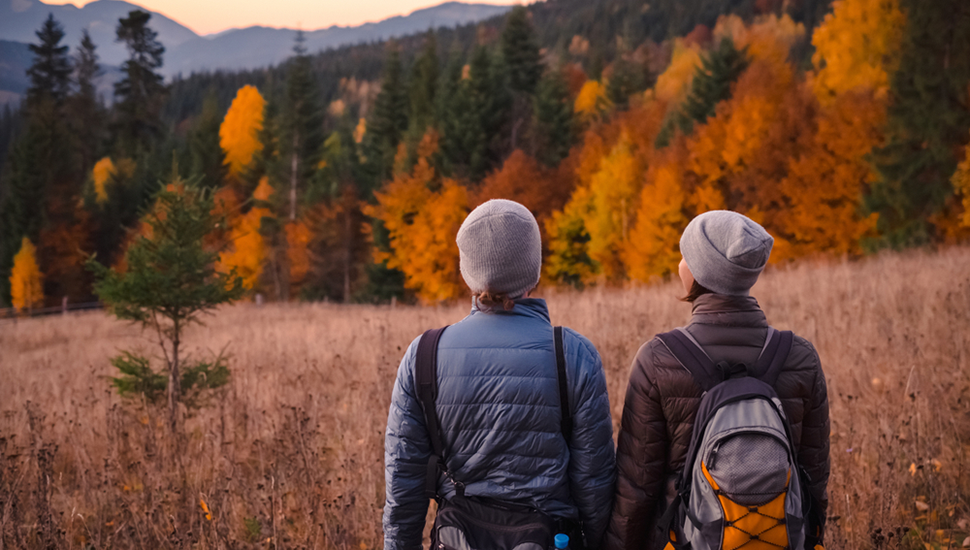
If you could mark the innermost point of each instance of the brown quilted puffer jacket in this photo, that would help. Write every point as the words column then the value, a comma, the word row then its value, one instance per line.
column 662, row 400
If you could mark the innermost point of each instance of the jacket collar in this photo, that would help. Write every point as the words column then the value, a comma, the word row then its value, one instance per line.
column 526, row 307
column 720, row 309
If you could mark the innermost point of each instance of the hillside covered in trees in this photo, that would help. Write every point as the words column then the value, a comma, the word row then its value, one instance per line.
column 843, row 127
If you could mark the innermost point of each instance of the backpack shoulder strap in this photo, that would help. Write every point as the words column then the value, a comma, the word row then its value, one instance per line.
column 426, row 382
column 692, row 357
column 567, row 416
column 777, row 347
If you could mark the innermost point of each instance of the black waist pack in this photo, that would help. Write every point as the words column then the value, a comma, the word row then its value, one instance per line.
column 468, row 523
column 475, row 523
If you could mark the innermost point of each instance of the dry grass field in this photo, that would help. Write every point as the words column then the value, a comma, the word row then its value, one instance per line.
column 290, row 454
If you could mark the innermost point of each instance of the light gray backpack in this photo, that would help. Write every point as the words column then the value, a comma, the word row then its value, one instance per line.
column 741, row 488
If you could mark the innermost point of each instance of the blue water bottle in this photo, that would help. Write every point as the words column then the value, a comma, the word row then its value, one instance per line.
column 562, row 541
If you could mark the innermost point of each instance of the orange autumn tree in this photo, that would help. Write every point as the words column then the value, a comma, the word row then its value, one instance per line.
column 239, row 132
column 247, row 249
column 522, row 179
column 422, row 214
column 652, row 249
column 26, row 280
column 857, row 46
column 827, row 179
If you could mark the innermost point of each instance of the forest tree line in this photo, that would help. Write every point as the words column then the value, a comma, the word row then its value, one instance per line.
column 841, row 127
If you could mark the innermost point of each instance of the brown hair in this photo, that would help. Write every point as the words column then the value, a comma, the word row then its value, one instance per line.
column 491, row 300
column 696, row 291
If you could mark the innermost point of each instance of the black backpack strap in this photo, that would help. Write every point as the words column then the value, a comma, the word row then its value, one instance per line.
column 692, row 357
column 567, row 416
column 426, row 382
column 774, row 355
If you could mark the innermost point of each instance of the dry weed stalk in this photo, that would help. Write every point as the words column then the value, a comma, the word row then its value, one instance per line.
column 291, row 454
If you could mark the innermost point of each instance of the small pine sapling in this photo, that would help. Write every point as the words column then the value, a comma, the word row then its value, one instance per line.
column 170, row 281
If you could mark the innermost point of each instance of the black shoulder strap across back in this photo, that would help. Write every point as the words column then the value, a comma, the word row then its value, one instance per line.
column 707, row 374
column 426, row 383
column 566, row 423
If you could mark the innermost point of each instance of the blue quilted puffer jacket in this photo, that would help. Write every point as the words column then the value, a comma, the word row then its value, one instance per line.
column 498, row 401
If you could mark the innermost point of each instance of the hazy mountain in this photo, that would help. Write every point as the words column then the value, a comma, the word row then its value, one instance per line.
column 20, row 19
column 254, row 47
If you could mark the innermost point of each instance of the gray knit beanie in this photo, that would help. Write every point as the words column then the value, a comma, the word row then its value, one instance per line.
column 500, row 249
column 725, row 251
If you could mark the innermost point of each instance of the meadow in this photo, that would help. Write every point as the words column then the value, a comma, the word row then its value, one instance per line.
column 290, row 453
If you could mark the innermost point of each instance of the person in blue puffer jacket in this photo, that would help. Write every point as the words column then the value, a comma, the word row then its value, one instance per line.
column 498, row 397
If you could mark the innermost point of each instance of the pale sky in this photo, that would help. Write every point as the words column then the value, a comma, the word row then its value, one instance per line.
column 210, row 16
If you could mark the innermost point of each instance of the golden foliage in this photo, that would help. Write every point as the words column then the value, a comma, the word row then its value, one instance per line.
column 652, row 249
column 613, row 190
column 422, row 225
column 674, row 82
column 102, row 171
column 247, row 248
column 825, row 181
column 857, row 46
column 569, row 261
column 26, row 280
column 592, row 100
column 239, row 132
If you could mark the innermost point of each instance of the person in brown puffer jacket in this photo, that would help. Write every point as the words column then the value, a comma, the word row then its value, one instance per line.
column 723, row 254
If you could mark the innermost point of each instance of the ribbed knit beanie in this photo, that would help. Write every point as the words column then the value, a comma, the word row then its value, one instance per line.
column 500, row 249
column 725, row 251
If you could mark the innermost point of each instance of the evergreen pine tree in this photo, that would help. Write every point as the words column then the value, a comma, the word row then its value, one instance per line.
column 50, row 73
column 927, row 121
column 423, row 85
column 301, row 126
column 138, row 95
column 555, row 126
column 389, row 120
column 207, row 157
column 520, row 51
column 87, row 114
column 711, row 84
column 521, row 68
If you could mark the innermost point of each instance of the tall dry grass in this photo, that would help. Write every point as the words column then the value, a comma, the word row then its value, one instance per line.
column 290, row 454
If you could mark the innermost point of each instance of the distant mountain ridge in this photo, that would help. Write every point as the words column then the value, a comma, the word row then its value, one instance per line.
column 187, row 52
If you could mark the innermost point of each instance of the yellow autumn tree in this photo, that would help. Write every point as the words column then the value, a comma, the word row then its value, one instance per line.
column 652, row 249
column 569, row 261
column 247, row 249
column 422, row 225
column 613, row 188
column 239, row 132
column 674, row 82
column 26, row 280
column 103, row 170
column 857, row 46
column 591, row 100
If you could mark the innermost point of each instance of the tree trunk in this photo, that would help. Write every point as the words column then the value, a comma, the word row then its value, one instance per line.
column 347, row 255
column 294, row 165
column 174, row 383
